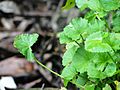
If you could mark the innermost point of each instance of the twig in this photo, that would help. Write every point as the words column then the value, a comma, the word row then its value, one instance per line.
column 43, row 85
column 28, row 14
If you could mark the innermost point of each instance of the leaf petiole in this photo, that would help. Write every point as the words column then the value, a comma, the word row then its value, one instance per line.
column 47, row 68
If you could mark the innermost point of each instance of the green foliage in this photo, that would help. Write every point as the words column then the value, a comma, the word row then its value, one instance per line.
column 107, row 87
column 92, row 56
column 110, row 4
column 82, row 4
column 24, row 42
column 92, row 59
column 94, row 43
column 116, row 22
column 89, row 87
column 81, row 60
column 75, row 28
column 68, row 55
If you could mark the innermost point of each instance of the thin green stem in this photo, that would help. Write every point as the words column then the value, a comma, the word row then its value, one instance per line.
column 109, row 29
column 98, row 17
column 48, row 68
column 110, row 56
column 77, row 43
column 82, row 39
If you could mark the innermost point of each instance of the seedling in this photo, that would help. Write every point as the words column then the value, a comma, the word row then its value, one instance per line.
column 92, row 56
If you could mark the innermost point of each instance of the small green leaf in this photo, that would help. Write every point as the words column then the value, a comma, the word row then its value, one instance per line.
column 24, row 42
column 110, row 4
column 65, row 82
column 95, row 36
column 69, row 72
column 113, row 40
column 97, row 46
column 96, row 26
column 82, row 4
column 68, row 55
column 110, row 69
column 94, row 43
column 64, row 38
column 80, row 80
column 107, row 87
column 76, row 27
column 116, row 23
column 81, row 60
column 94, row 5
column 101, row 67
column 69, row 4
column 90, row 87
column 90, row 16
column 93, row 71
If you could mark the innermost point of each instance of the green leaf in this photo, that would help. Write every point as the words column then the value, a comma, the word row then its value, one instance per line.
column 96, row 26
column 93, row 71
column 90, row 16
column 101, row 67
column 110, row 69
column 68, row 55
column 95, row 36
column 110, row 4
column 65, row 82
column 64, row 38
column 90, row 87
column 69, row 4
column 81, row 60
column 76, row 27
column 101, row 60
column 24, row 42
column 94, row 43
column 82, row 4
column 113, row 40
column 69, row 72
column 116, row 23
column 94, row 5
column 97, row 54
column 107, row 87
column 97, row 46
column 80, row 80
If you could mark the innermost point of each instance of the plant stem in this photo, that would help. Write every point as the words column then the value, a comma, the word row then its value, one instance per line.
column 82, row 39
column 78, row 43
column 110, row 56
column 47, row 68
column 107, row 26
column 98, row 17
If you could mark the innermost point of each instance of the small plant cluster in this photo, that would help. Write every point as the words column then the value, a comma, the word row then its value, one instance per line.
column 92, row 58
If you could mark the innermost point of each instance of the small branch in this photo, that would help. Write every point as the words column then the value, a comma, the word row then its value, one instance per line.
column 28, row 14
column 48, row 68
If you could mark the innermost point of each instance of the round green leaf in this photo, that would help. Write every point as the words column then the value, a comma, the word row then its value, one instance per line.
column 24, row 42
